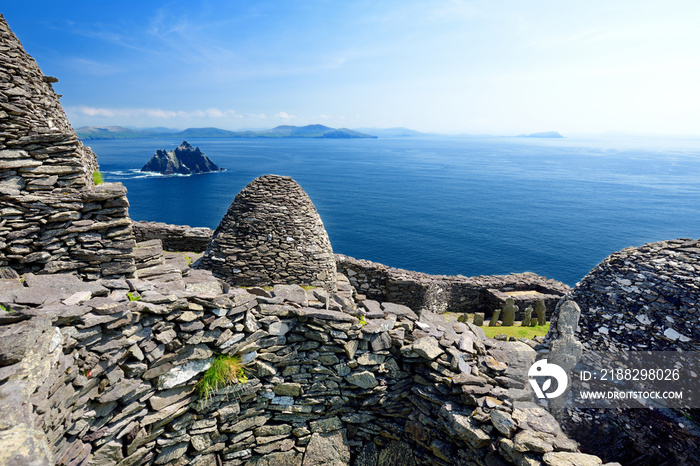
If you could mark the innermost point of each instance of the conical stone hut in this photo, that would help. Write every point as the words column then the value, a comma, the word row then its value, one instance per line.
column 53, row 218
column 272, row 234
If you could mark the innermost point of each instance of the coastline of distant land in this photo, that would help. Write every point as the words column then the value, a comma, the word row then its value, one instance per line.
column 284, row 131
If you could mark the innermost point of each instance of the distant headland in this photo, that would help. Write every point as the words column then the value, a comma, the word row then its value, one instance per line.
column 284, row 131
column 184, row 160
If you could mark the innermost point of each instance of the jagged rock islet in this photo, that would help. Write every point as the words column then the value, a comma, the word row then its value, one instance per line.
column 184, row 160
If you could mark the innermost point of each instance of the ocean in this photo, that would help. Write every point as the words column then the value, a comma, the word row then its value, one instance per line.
column 469, row 206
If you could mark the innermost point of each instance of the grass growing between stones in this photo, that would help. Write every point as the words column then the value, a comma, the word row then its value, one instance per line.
column 224, row 371
column 517, row 331
column 97, row 178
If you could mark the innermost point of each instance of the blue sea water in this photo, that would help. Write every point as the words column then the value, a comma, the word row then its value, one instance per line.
column 470, row 206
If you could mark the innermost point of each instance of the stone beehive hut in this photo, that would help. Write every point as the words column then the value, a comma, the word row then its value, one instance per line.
column 272, row 234
column 641, row 299
column 52, row 217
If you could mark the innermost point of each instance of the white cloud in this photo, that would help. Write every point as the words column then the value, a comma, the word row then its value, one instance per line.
column 285, row 116
column 151, row 112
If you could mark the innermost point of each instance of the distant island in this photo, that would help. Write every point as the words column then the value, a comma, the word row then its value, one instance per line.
column 399, row 132
column 543, row 134
column 184, row 160
column 284, row 131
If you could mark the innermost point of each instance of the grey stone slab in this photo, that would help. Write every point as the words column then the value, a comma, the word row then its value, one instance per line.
column 65, row 283
column 400, row 310
column 325, row 315
column 18, row 338
column 327, row 449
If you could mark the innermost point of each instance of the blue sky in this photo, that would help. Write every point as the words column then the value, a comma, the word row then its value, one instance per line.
column 492, row 66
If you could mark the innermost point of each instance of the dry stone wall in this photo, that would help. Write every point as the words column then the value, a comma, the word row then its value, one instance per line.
column 103, row 379
column 52, row 217
column 174, row 237
column 441, row 293
column 37, row 144
column 270, row 235
column 438, row 293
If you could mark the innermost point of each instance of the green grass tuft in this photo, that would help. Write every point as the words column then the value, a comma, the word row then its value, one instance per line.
column 224, row 371
column 517, row 331
column 97, row 178
column 132, row 297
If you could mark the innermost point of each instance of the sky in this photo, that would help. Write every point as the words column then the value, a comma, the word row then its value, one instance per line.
column 501, row 67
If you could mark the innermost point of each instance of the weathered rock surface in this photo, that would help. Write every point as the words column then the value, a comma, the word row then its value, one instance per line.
column 184, row 160
column 173, row 237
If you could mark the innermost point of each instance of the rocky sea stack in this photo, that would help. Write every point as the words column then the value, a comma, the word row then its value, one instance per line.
column 184, row 160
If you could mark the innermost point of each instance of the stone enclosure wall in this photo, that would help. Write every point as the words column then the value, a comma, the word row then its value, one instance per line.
column 441, row 293
column 52, row 218
column 438, row 293
column 100, row 378
column 173, row 237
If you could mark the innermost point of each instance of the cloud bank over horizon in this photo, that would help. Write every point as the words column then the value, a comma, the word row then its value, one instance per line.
column 448, row 66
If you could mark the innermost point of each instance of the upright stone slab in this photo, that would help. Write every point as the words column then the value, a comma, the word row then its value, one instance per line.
column 541, row 310
column 494, row 318
column 272, row 234
column 527, row 319
column 509, row 311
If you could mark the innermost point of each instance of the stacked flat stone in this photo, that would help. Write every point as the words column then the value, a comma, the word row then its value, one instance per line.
column 174, row 237
column 643, row 298
column 52, row 217
column 90, row 376
column 439, row 293
column 272, row 234
column 640, row 299
column 37, row 143
column 442, row 293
